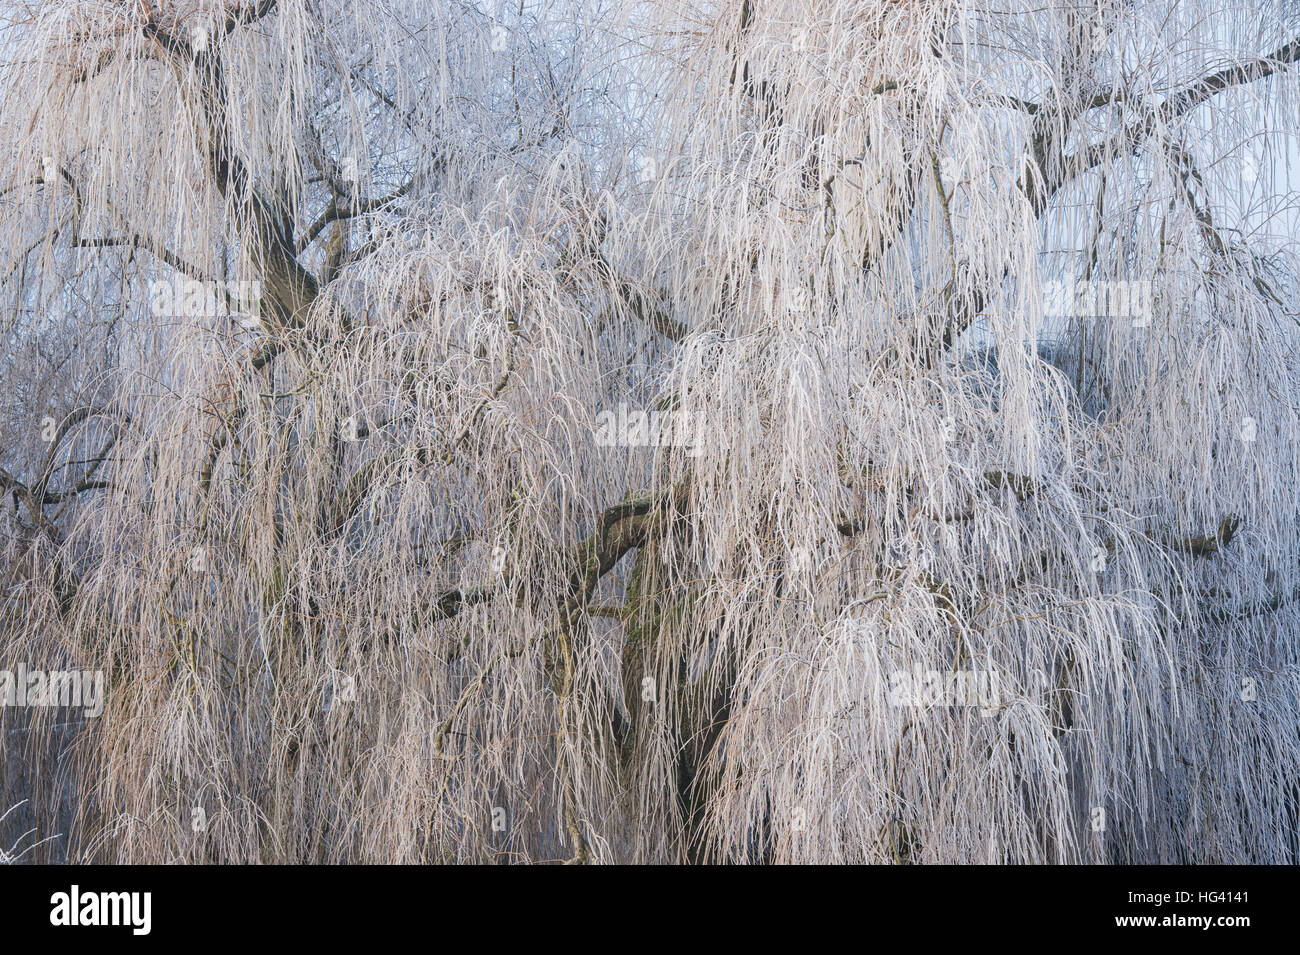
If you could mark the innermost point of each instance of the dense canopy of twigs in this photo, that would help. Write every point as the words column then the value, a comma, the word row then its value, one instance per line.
column 581, row 430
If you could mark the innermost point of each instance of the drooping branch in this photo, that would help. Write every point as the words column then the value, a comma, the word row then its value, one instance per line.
column 1178, row 104
column 288, row 288
column 337, row 212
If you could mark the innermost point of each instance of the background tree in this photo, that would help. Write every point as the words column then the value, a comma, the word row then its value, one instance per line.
column 334, row 329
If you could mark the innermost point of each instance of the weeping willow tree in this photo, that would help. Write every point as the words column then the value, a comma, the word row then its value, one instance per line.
column 617, row 432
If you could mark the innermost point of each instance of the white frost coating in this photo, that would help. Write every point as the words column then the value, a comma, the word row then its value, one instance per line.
column 951, row 567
